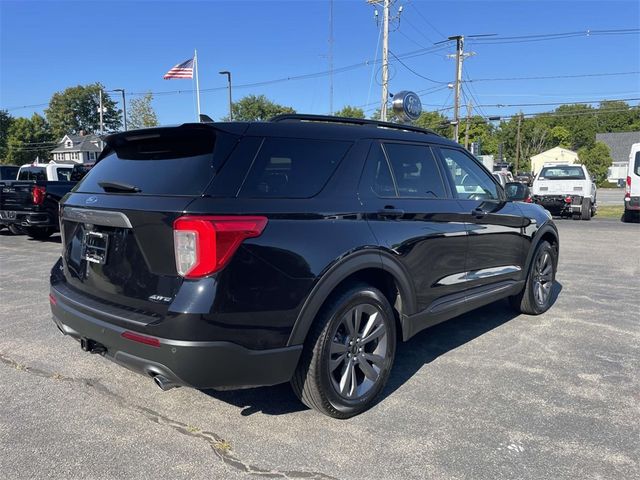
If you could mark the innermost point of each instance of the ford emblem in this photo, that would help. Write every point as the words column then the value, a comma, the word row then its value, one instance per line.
column 407, row 105
column 91, row 200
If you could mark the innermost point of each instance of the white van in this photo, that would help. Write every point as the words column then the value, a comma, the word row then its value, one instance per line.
column 632, row 186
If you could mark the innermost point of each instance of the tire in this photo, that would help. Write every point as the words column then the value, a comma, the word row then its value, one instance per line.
column 585, row 211
column 15, row 229
column 528, row 301
column 334, row 392
column 38, row 233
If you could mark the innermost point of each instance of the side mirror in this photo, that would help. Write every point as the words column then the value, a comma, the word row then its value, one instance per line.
column 514, row 191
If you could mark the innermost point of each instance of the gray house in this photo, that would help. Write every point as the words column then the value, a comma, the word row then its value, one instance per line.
column 620, row 145
column 77, row 149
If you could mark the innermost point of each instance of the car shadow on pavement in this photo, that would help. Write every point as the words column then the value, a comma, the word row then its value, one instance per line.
column 53, row 239
column 422, row 349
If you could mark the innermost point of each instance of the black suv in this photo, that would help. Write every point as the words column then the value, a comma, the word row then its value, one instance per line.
column 302, row 249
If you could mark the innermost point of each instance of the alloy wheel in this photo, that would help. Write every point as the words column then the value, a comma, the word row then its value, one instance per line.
column 358, row 351
column 543, row 278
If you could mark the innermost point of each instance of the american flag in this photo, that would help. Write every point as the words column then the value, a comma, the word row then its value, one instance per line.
column 182, row 70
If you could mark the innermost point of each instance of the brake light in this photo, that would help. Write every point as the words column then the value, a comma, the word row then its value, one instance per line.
column 627, row 188
column 204, row 244
column 528, row 199
column 38, row 194
column 568, row 200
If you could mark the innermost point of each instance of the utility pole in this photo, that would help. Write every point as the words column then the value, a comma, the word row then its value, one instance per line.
column 518, row 142
column 101, row 111
column 385, row 60
column 330, row 57
column 460, row 55
column 124, row 106
column 228, row 74
column 466, row 130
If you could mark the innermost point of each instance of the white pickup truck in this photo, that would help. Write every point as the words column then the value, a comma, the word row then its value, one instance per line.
column 565, row 190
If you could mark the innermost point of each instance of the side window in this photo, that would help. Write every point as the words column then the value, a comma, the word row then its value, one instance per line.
column 64, row 174
column 382, row 181
column 415, row 171
column 292, row 167
column 470, row 180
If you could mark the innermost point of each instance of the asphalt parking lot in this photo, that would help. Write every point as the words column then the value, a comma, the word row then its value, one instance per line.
column 489, row 395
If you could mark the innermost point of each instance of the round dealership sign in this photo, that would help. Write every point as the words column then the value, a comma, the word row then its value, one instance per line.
column 407, row 105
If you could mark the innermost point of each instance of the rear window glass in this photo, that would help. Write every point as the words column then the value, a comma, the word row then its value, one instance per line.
column 171, row 161
column 33, row 173
column 562, row 173
column 637, row 164
column 64, row 174
column 415, row 171
column 292, row 167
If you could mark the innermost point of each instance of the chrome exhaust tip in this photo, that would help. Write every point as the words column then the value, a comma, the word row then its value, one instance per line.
column 164, row 383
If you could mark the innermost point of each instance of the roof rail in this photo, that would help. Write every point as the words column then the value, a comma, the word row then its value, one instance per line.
column 303, row 117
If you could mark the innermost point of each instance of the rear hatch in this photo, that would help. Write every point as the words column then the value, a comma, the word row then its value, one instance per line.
column 117, row 224
column 558, row 187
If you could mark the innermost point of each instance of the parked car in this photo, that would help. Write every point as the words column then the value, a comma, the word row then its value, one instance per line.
column 300, row 249
column 8, row 172
column 566, row 190
column 503, row 177
column 30, row 204
column 518, row 192
column 524, row 177
column 632, row 186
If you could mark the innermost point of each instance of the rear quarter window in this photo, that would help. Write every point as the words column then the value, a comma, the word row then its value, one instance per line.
column 292, row 167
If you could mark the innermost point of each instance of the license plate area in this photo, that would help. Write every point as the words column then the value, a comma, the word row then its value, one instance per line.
column 94, row 247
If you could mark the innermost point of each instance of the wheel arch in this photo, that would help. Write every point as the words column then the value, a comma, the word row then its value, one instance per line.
column 374, row 267
column 549, row 233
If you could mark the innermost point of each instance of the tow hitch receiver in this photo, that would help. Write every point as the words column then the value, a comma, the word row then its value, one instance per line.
column 92, row 346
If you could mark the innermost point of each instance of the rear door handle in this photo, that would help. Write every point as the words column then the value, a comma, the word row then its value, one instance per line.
column 390, row 212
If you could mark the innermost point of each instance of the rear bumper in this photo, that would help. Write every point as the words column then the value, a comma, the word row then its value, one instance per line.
column 194, row 364
column 27, row 219
column 632, row 203
column 558, row 203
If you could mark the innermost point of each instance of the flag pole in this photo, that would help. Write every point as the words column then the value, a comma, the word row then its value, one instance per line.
column 195, row 61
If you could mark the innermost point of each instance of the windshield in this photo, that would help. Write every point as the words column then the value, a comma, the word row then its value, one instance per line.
column 562, row 173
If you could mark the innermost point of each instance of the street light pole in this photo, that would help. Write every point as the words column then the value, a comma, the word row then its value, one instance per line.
column 124, row 106
column 228, row 74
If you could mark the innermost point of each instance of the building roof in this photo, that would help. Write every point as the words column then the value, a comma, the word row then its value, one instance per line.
column 556, row 151
column 81, row 143
column 619, row 143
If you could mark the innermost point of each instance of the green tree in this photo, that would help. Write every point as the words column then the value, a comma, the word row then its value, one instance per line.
column 257, row 108
column 5, row 122
column 141, row 114
column 597, row 159
column 560, row 136
column 28, row 139
column 480, row 131
column 435, row 121
column 77, row 108
column 350, row 112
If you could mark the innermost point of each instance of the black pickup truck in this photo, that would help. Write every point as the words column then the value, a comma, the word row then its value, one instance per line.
column 31, row 206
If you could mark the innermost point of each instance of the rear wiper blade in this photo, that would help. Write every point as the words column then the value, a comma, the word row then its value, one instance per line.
column 119, row 187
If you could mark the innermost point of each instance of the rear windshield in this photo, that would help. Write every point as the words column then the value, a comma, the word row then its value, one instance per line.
column 166, row 161
column 636, row 167
column 562, row 173
column 292, row 167
column 33, row 173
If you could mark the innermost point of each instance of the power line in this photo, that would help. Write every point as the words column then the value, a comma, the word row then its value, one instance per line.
column 581, row 75
column 555, row 36
column 585, row 102
column 414, row 72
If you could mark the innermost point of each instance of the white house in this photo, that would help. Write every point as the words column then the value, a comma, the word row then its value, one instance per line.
column 557, row 155
column 77, row 148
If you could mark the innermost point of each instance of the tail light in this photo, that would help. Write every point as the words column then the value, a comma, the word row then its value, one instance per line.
column 38, row 194
column 568, row 200
column 627, row 188
column 528, row 199
column 205, row 244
